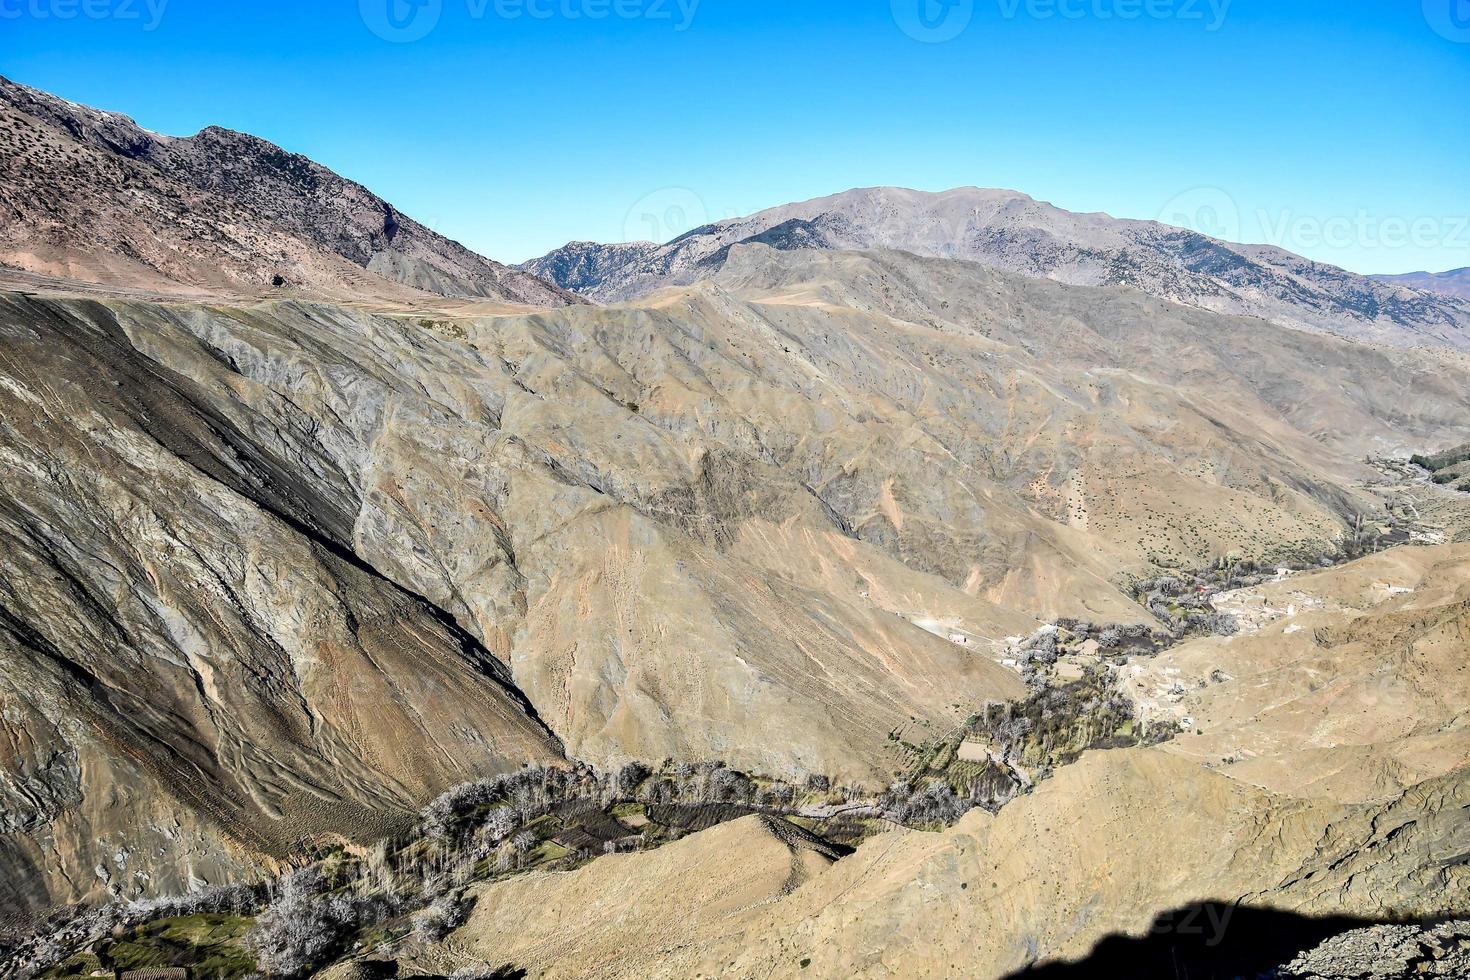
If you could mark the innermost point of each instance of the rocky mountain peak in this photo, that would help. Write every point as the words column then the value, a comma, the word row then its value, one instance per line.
column 221, row 207
column 1011, row 231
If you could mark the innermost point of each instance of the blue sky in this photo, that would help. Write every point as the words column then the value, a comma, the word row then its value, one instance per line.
column 1337, row 129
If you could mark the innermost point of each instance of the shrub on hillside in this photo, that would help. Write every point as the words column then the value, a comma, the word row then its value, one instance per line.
column 935, row 804
column 298, row 929
column 442, row 917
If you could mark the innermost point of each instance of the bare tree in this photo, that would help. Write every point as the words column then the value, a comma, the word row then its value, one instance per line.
column 444, row 915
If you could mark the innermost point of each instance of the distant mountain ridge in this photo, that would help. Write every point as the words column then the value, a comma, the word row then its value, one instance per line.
column 582, row 266
column 91, row 195
column 1456, row 282
column 1010, row 231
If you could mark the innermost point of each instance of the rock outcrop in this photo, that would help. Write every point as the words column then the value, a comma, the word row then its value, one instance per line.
column 1387, row 953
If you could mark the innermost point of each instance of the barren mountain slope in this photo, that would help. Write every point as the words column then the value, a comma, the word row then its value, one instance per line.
column 1137, row 421
column 1010, row 231
column 219, row 524
column 1453, row 283
column 286, row 548
column 1351, row 396
column 185, row 628
column 1351, row 684
column 91, row 195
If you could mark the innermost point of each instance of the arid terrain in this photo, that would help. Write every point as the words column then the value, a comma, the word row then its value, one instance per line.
column 882, row 586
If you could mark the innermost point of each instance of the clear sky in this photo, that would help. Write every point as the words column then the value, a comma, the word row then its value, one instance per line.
column 1336, row 128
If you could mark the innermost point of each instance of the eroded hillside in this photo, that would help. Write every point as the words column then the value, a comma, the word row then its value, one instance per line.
column 283, row 571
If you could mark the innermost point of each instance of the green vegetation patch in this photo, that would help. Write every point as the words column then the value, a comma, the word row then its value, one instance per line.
column 1444, row 460
column 211, row 945
column 80, row 965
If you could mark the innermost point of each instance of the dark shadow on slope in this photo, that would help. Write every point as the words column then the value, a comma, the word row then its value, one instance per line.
column 178, row 415
column 1209, row 941
column 388, row 970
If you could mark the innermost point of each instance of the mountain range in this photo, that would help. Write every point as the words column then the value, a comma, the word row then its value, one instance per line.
column 1453, row 283
column 1009, row 231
